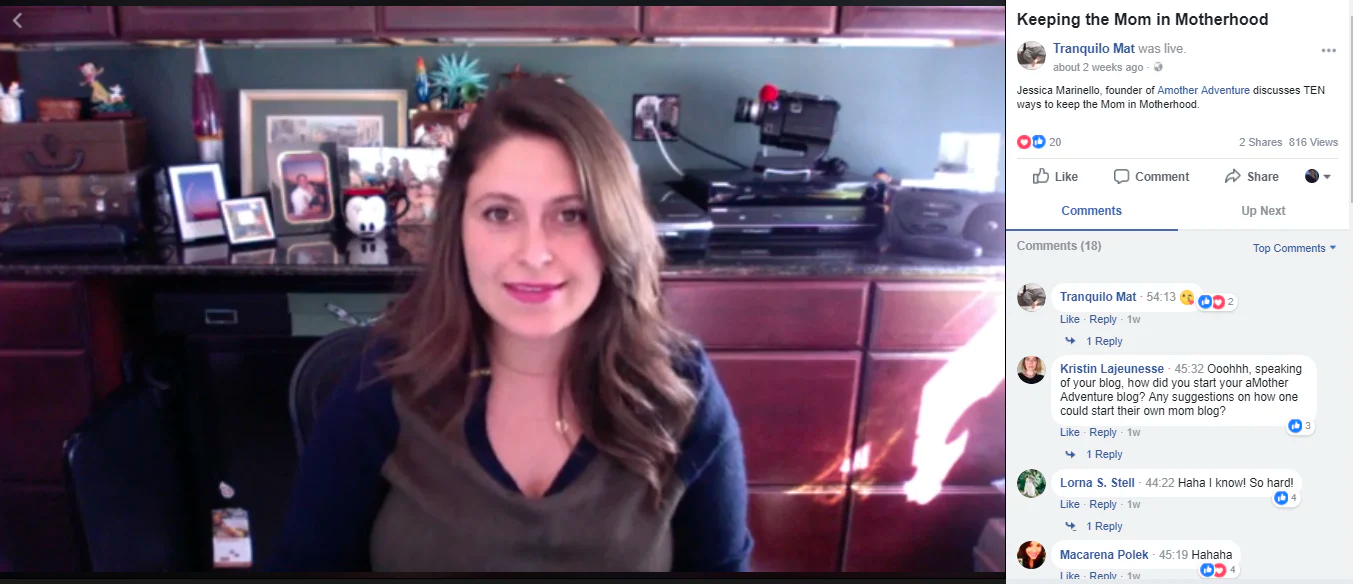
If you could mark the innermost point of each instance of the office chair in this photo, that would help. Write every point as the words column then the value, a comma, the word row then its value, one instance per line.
column 320, row 369
column 124, row 473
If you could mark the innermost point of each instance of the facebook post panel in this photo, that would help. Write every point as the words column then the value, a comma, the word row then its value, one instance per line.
column 1178, row 231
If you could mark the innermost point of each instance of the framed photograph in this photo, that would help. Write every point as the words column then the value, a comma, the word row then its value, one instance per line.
column 361, row 117
column 656, row 108
column 197, row 190
column 247, row 220
column 419, row 170
column 301, row 184
column 437, row 129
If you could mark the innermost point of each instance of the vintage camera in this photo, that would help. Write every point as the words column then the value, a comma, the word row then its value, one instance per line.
column 792, row 121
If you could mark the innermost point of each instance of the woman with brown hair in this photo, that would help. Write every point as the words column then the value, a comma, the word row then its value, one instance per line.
column 527, row 406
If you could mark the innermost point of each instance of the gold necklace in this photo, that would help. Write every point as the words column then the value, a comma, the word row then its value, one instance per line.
column 560, row 424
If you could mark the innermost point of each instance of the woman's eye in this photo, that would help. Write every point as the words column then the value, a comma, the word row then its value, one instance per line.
column 573, row 216
column 497, row 214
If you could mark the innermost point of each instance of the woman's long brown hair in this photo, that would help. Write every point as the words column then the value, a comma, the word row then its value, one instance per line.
column 619, row 373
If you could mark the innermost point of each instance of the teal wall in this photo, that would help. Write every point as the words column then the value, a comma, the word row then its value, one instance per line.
column 895, row 101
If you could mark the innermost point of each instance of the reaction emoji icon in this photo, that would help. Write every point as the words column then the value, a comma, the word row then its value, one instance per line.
column 1186, row 297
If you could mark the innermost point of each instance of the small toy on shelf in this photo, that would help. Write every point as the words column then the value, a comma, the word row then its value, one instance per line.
column 513, row 76
column 877, row 191
column 105, row 104
column 459, row 82
column 11, row 109
column 420, row 83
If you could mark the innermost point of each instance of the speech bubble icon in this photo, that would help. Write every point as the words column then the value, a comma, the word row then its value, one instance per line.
column 1120, row 176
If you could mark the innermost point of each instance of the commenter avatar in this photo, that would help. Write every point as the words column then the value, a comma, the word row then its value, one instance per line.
column 1031, row 55
column 1031, row 555
column 1031, row 483
column 1031, row 369
column 1031, row 297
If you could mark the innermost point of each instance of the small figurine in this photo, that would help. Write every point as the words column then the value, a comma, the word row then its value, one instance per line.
column 513, row 76
column 11, row 109
column 105, row 104
column 877, row 192
column 420, row 81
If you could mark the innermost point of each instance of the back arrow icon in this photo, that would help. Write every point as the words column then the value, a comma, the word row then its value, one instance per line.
column 16, row 20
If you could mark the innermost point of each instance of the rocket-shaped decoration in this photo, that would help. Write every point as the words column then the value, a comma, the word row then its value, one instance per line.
column 207, row 127
column 420, row 81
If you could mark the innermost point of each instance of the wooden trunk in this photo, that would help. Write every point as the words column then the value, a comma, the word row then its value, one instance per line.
column 84, row 147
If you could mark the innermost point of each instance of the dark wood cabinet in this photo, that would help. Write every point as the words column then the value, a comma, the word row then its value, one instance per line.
column 60, row 349
column 43, row 397
column 569, row 21
column 935, row 316
column 795, row 410
column 771, row 315
column 951, row 22
column 246, row 22
column 841, row 389
column 56, row 23
column 796, row 532
column 894, row 413
column 38, row 530
column 890, row 533
column 739, row 20
column 39, row 315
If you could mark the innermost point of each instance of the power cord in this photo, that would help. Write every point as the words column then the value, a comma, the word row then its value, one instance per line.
column 666, row 127
column 653, row 128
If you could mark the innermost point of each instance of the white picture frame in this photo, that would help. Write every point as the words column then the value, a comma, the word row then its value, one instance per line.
column 197, row 191
column 257, row 229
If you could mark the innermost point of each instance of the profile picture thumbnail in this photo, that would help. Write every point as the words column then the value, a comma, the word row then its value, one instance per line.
column 1031, row 369
column 1031, row 55
column 1031, row 554
column 1031, row 483
column 1031, row 297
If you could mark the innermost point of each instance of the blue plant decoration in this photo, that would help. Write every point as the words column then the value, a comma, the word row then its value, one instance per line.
column 458, row 80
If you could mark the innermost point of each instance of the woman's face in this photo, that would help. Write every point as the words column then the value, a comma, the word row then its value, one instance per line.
column 1035, row 550
column 1030, row 364
column 529, row 254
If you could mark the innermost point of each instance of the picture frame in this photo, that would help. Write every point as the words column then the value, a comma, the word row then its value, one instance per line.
column 197, row 191
column 657, row 107
column 302, row 174
column 247, row 220
column 421, row 173
column 346, row 117
column 437, row 129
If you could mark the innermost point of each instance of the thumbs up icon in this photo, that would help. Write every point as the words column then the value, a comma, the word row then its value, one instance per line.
column 1040, row 177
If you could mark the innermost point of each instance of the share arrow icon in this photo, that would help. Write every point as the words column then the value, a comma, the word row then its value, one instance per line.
column 1070, row 454
column 1071, row 340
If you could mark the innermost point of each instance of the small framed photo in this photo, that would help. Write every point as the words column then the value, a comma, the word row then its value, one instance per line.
column 655, row 108
column 419, row 170
column 302, row 187
column 198, row 191
column 247, row 220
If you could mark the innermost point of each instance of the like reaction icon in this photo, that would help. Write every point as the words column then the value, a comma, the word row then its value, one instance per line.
column 1038, row 141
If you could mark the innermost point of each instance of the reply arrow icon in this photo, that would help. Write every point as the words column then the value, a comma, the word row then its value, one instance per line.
column 16, row 20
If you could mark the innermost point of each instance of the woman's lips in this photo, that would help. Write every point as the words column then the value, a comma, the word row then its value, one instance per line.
column 532, row 292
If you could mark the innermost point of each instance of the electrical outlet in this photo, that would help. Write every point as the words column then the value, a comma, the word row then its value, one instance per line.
column 658, row 107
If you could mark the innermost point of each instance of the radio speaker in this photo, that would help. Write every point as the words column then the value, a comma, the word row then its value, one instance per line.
column 976, row 217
